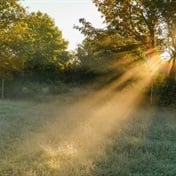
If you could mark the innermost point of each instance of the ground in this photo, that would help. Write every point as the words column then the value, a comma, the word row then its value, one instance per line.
column 86, row 134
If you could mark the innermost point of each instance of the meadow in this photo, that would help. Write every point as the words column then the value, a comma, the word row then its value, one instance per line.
column 76, row 134
column 105, row 108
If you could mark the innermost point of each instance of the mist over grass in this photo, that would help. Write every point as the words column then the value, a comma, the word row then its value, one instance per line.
column 70, row 136
column 107, row 127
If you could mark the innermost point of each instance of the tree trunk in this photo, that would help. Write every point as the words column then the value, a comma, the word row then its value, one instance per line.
column 151, row 93
column 172, row 73
column 151, row 54
column 2, row 88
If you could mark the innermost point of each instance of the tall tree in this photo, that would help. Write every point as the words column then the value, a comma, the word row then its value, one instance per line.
column 10, row 14
column 28, row 40
column 168, row 11
column 149, row 22
column 45, row 42
column 135, row 19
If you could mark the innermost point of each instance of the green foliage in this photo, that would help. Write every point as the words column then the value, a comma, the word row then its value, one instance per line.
column 30, row 46
column 132, row 19
column 30, row 42
column 10, row 39
column 151, row 23
column 11, row 11
column 102, row 48
column 45, row 43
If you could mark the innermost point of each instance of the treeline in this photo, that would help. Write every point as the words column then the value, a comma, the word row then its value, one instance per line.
column 29, row 41
column 33, row 50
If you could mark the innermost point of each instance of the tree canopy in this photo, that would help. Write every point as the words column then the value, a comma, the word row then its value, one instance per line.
column 11, row 15
column 135, row 19
column 28, row 40
column 45, row 42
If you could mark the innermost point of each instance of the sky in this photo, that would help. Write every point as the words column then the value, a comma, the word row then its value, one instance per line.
column 66, row 14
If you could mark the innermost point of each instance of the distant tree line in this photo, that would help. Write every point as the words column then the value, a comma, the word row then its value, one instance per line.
column 32, row 47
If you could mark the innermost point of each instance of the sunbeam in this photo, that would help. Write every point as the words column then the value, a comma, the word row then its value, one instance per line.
column 73, row 137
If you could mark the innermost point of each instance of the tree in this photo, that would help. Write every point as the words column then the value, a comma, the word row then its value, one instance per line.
column 150, row 23
column 46, row 45
column 135, row 19
column 29, row 41
column 168, row 11
column 11, row 13
column 102, row 45
column 104, row 40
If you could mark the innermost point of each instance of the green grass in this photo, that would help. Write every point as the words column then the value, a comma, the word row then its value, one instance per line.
column 141, row 149
column 54, row 139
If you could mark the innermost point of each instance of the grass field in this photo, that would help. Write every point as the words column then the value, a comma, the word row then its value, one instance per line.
column 69, row 136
